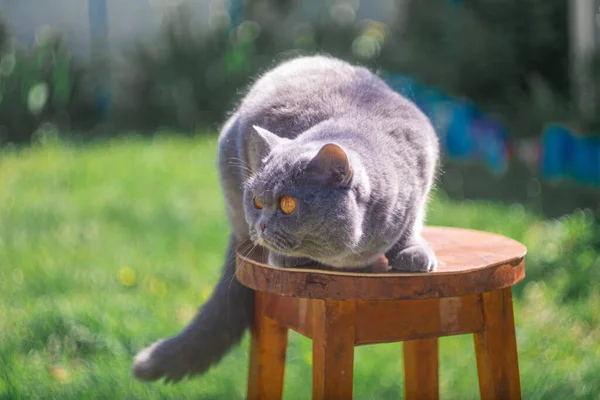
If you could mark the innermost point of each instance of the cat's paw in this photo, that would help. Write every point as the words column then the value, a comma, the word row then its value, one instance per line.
column 382, row 264
column 414, row 258
column 163, row 359
column 281, row 261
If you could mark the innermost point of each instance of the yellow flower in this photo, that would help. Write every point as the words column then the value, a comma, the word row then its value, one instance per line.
column 126, row 276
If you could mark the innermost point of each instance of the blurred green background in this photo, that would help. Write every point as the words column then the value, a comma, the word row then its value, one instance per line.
column 112, row 225
column 106, row 247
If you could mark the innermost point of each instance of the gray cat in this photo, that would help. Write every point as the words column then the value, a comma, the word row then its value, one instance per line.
column 321, row 163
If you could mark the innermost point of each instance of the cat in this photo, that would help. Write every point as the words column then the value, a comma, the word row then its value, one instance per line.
column 321, row 163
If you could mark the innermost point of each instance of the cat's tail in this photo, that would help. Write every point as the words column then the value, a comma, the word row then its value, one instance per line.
column 218, row 326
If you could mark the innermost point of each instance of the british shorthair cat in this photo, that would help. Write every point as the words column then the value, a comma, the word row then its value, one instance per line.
column 322, row 163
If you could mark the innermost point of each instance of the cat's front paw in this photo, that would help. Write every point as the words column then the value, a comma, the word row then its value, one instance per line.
column 163, row 359
column 382, row 264
column 414, row 258
column 281, row 261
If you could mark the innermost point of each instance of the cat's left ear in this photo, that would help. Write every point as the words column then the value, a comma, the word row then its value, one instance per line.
column 261, row 142
column 330, row 166
column 268, row 138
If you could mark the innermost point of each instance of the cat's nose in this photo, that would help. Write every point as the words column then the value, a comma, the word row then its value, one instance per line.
column 262, row 227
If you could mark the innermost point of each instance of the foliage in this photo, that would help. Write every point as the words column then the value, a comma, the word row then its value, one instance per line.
column 184, row 79
column 510, row 57
column 189, row 79
column 38, row 86
column 104, row 248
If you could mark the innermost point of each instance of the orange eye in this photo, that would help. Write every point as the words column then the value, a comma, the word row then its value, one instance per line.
column 258, row 204
column 287, row 204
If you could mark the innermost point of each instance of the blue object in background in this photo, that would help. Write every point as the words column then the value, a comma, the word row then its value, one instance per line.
column 557, row 144
column 583, row 165
column 458, row 142
column 441, row 116
column 102, row 98
column 428, row 100
column 434, row 103
column 236, row 12
column 404, row 85
column 597, row 180
column 466, row 133
column 438, row 107
column 490, row 143
column 98, row 18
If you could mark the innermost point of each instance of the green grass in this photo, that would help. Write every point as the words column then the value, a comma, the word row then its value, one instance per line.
column 105, row 248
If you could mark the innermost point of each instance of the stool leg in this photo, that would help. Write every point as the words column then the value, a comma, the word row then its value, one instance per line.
column 333, row 349
column 421, row 369
column 496, row 348
column 267, row 354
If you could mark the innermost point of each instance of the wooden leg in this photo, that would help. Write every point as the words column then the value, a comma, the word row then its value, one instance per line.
column 496, row 348
column 421, row 369
column 333, row 349
column 267, row 354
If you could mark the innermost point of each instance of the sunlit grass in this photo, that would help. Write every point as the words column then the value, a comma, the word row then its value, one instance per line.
column 107, row 247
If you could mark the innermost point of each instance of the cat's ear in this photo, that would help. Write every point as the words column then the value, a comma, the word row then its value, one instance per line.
column 261, row 141
column 330, row 166
column 269, row 138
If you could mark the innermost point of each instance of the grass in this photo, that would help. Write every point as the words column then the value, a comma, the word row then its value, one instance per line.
column 107, row 247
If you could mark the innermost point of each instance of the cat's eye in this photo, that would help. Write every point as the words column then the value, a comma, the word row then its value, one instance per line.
column 287, row 204
column 258, row 204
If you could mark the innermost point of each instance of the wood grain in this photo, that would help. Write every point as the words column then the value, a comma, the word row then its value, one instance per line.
column 384, row 321
column 496, row 348
column 267, row 355
column 394, row 321
column 333, row 349
column 421, row 369
column 470, row 262
column 295, row 313
column 470, row 293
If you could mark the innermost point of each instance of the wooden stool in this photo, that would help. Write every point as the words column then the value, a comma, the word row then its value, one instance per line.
column 470, row 293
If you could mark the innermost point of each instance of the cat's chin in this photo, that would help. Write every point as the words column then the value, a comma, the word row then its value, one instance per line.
column 273, row 247
column 280, row 260
column 283, row 261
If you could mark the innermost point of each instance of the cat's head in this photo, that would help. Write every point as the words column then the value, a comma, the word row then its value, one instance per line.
column 301, row 201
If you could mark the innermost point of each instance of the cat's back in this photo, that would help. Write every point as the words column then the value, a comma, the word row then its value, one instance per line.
column 304, row 76
column 300, row 93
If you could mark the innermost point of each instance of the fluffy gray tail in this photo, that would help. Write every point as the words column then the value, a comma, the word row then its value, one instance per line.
column 219, row 325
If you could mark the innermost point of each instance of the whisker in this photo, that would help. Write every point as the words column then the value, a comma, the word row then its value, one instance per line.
column 244, row 168
column 245, row 252
column 241, row 162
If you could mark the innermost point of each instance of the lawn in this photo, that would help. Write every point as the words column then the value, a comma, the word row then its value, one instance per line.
column 106, row 247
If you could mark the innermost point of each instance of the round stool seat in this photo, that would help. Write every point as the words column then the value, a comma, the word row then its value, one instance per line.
column 469, row 262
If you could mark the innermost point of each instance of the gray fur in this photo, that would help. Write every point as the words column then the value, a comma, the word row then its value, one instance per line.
column 362, row 197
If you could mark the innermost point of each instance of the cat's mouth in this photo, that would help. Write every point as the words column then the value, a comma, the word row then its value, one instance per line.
column 275, row 243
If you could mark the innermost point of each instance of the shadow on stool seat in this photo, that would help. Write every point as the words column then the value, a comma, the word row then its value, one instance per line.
column 469, row 293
